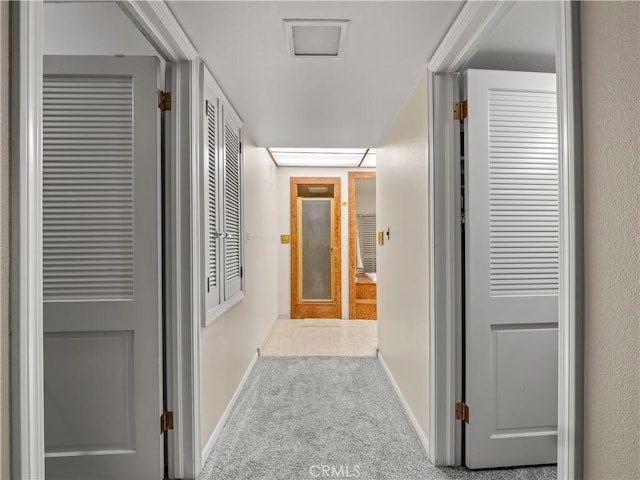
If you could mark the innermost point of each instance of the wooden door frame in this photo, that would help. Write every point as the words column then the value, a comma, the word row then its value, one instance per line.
column 353, row 176
column 328, row 310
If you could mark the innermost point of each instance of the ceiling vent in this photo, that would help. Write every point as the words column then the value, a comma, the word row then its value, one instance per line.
column 316, row 38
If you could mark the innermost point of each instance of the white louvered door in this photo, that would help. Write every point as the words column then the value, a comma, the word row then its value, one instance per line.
column 232, row 208
column 212, row 217
column 101, row 264
column 511, row 268
column 222, row 211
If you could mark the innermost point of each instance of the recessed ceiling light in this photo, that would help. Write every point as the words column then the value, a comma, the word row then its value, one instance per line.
column 318, row 157
column 369, row 160
column 316, row 38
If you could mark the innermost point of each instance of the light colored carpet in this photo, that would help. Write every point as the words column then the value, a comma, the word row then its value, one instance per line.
column 302, row 418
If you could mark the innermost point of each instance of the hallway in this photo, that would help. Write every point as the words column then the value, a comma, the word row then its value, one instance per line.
column 322, row 337
column 328, row 417
column 148, row 246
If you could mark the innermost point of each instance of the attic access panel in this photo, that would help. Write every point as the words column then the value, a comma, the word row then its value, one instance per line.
column 316, row 38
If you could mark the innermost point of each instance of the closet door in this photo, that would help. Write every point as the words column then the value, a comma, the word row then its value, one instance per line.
column 212, row 200
column 232, row 154
column 101, row 267
column 222, row 191
column 511, row 268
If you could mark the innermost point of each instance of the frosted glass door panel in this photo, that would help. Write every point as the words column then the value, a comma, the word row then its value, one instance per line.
column 316, row 248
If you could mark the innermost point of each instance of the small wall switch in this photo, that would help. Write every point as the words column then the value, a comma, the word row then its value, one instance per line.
column 284, row 239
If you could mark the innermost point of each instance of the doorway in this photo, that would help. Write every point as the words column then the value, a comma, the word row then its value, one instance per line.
column 316, row 247
column 446, row 338
column 103, row 253
column 164, row 34
column 362, row 246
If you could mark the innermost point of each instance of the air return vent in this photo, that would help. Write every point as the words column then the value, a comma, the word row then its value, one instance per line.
column 316, row 38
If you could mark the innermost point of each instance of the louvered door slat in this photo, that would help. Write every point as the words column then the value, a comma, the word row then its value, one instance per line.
column 87, row 188
column 512, row 164
column 232, row 212
column 368, row 239
column 211, row 208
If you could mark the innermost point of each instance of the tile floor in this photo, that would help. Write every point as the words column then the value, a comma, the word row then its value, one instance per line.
column 322, row 337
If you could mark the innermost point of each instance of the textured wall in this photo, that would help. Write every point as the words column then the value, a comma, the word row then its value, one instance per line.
column 230, row 342
column 611, row 96
column 403, row 285
column 4, row 240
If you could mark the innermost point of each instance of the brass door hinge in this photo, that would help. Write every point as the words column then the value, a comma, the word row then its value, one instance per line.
column 460, row 110
column 166, row 421
column 462, row 412
column 164, row 101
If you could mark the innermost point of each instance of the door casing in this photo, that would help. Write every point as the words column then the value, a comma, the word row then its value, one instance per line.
column 353, row 176
column 474, row 22
column 158, row 24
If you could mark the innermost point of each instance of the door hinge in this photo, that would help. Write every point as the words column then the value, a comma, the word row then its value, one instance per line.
column 460, row 110
column 462, row 412
column 240, row 148
column 164, row 101
column 241, row 272
column 166, row 421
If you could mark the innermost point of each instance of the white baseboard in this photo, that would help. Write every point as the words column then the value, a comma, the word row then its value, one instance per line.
column 423, row 438
column 284, row 316
column 208, row 448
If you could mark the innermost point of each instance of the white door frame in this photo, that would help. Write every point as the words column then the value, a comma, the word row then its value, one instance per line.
column 474, row 22
column 160, row 27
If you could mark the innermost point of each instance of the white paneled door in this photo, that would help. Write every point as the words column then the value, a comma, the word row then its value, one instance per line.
column 511, row 268
column 101, row 266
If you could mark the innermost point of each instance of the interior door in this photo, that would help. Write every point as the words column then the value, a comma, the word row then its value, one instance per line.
column 101, row 266
column 315, row 248
column 511, row 268
column 232, row 208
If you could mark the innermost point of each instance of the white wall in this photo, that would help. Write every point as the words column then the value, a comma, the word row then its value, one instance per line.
column 611, row 93
column 93, row 28
column 230, row 342
column 4, row 240
column 403, row 288
column 365, row 196
column 284, row 175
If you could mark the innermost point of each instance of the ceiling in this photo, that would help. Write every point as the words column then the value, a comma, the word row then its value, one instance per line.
column 316, row 102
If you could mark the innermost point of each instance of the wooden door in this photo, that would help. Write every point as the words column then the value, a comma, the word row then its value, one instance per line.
column 101, row 266
column 315, row 248
column 511, row 268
